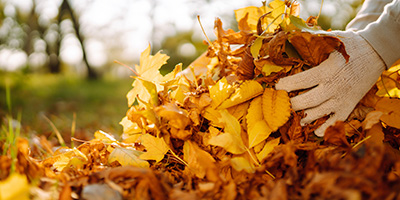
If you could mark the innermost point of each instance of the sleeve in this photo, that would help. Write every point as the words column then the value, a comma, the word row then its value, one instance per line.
column 384, row 34
column 369, row 12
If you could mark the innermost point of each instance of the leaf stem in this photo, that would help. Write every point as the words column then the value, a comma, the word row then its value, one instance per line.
column 204, row 32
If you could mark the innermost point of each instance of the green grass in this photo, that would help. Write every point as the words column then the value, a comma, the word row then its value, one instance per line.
column 99, row 104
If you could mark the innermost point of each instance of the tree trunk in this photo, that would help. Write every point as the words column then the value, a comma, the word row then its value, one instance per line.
column 65, row 7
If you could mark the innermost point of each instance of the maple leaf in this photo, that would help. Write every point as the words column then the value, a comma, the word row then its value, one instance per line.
column 127, row 157
column 257, row 128
column 246, row 91
column 147, row 70
column 156, row 148
column 275, row 107
column 231, row 139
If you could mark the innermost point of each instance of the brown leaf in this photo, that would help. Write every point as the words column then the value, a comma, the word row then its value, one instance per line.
column 316, row 48
column 336, row 135
column 276, row 48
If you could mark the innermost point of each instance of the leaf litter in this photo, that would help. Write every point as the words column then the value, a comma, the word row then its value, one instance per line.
column 219, row 129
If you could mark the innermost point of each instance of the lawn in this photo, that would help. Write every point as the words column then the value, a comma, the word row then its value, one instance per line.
column 97, row 104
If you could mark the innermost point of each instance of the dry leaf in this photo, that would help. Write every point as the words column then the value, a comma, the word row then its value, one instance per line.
column 127, row 157
column 200, row 162
column 268, row 148
column 231, row 139
column 16, row 186
column 220, row 92
column 257, row 128
column 246, row 91
column 275, row 107
column 336, row 135
column 391, row 110
column 314, row 48
column 156, row 148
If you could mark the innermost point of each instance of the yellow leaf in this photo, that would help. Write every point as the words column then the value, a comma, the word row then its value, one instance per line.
column 257, row 129
column 213, row 115
column 240, row 110
column 220, row 92
column 183, row 87
column 156, row 148
column 389, row 84
column 246, row 91
column 151, row 89
column 147, row 70
column 270, row 67
column 175, row 116
column 16, row 186
column 253, row 14
column 269, row 146
column 275, row 107
column 391, row 111
column 199, row 161
column 129, row 127
column 241, row 163
column 127, row 157
column 231, row 139
column 256, row 46
column 278, row 8
column 68, row 158
column 229, row 142
column 104, row 137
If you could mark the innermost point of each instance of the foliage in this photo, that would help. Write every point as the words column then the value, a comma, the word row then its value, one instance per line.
column 219, row 129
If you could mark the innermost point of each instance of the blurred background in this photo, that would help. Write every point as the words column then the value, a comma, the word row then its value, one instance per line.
column 57, row 56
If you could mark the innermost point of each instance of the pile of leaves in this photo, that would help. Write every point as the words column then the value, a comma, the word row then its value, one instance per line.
column 219, row 129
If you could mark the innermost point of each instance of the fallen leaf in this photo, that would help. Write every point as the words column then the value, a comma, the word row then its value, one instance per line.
column 268, row 148
column 220, row 92
column 336, row 135
column 156, row 148
column 257, row 128
column 147, row 70
column 16, row 186
column 391, row 110
column 200, row 162
column 127, row 157
column 275, row 107
column 246, row 91
column 316, row 48
column 240, row 163
column 104, row 137
column 231, row 139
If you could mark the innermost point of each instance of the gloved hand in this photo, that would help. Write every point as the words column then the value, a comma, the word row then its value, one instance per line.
column 339, row 85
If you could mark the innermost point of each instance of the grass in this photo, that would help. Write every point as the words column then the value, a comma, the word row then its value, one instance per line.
column 99, row 104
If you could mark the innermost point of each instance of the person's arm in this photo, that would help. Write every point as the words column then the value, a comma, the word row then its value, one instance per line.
column 384, row 34
column 369, row 12
column 336, row 85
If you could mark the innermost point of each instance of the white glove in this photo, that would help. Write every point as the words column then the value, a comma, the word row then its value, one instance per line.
column 339, row 85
